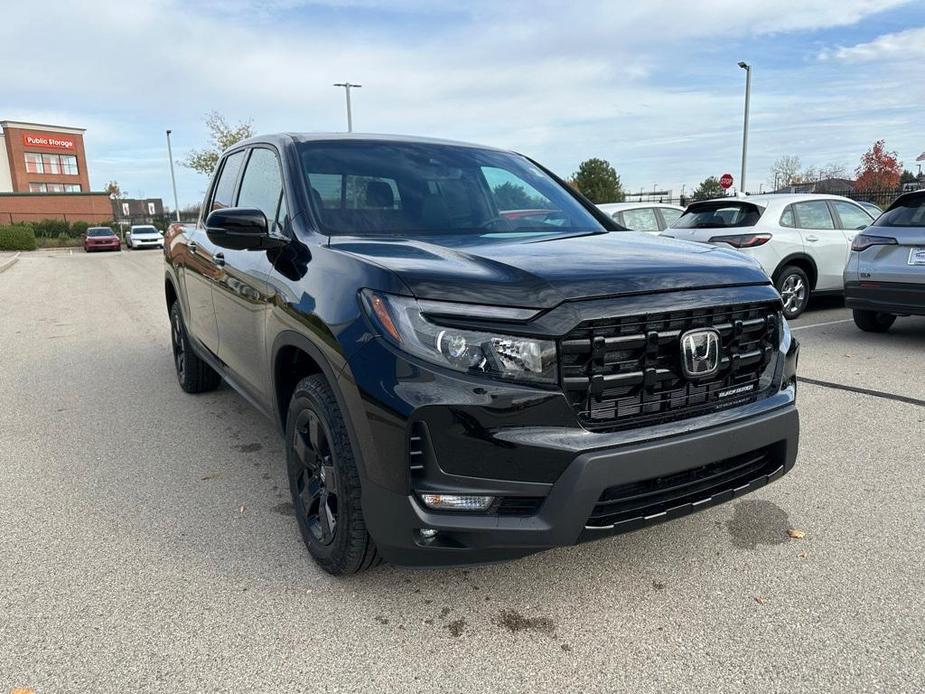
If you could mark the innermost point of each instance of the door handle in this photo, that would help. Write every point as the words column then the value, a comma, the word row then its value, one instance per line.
column 812, row 239
column 218, row 259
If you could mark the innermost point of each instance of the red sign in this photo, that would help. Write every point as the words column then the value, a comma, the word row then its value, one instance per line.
column 726, row 181
column 49, row 141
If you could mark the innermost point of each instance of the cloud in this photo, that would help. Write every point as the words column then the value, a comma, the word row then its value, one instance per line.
column 904, row 46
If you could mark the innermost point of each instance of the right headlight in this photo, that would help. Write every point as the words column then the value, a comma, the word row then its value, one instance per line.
column 402, row 322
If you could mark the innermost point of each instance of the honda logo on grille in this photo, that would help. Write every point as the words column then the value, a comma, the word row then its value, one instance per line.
column 700, row 353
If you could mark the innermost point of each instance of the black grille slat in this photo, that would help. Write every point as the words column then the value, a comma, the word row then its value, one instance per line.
column 624, row 372
column 636, row 501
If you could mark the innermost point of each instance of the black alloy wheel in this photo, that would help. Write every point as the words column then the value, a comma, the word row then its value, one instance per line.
column 316, row 480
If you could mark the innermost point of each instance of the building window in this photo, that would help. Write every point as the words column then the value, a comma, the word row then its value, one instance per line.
column 51, row 163
column 34, row 163
column 71, row 187
column 55, row 187
column 37, row 188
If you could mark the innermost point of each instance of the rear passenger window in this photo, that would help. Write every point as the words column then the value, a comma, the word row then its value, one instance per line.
column 642, row 219
column 852, row 216
column 786, row 219
column 669, row 215
column 224, row 189
column 262, row 185
column 814, row 215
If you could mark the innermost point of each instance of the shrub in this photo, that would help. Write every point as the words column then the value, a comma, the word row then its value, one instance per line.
column 17, row 237
column 78, row 228
column 51, row 228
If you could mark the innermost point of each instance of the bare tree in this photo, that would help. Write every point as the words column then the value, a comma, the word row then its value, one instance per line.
column 221, row 137
column 785, row 170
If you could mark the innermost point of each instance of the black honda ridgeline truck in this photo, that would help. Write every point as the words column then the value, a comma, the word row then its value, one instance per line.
column 469, row 362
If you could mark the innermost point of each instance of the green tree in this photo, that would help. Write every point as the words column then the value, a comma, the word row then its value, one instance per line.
column 598, row 181
column 907, row 177
column 221, row 137
column 509, row 196
column 708, row 189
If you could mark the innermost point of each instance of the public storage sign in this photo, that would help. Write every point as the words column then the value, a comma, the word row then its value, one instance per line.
column 49, row 141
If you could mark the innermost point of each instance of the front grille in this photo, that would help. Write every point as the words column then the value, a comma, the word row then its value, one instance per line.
column 640, row 503
column 626, row 372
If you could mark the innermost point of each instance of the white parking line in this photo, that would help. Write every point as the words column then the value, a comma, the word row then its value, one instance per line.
column 819, row 325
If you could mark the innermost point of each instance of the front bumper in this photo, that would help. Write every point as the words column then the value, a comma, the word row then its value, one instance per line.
column 886, row 297
column 569, row 503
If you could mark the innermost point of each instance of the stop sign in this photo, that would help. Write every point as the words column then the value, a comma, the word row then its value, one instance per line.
column 726, row 181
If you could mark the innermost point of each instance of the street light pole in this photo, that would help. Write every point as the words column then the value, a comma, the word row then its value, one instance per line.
column 347, row 87
column 748, row 95
column 173, row 178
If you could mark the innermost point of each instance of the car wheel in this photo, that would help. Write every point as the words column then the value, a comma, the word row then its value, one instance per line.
column 193, row 374
column 873, row 321
column 793, row 285
column 324, row 481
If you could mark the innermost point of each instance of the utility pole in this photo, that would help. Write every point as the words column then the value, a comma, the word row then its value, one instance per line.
column 173, row 178
column 347, row 87
column 748, row 95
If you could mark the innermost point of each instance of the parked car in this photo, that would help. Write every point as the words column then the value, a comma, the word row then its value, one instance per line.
column 802, row 241
column 144, row 236
column 101, row 239
column 454, row 386
column 885, row 275
column 643, row 216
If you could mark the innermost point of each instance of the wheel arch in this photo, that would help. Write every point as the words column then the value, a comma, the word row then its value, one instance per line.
column 802, row 261
column 295, row 357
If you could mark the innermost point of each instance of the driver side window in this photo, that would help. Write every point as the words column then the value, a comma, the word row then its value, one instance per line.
column 510, row 192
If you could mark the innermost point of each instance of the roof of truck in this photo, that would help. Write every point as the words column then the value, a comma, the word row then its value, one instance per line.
column 360, row 137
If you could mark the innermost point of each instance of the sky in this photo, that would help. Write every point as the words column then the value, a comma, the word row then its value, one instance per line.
column 652, row 86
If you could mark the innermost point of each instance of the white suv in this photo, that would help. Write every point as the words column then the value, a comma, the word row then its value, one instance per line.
column 144, row 236
column 802, row 241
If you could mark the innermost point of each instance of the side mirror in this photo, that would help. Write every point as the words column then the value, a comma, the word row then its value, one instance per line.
column 240, row 229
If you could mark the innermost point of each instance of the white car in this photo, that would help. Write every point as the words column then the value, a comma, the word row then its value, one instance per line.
column 802, row 241
column 144, row 236
column 652, row 217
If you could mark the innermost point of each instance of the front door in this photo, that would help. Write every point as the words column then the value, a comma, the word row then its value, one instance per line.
column 242, row 295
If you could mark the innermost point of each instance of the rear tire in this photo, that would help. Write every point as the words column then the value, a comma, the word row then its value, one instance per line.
column 793, row 285
column 193, row 374
column 324, row 481
column 873, row 321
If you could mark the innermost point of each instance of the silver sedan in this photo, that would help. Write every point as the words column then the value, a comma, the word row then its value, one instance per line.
column 885, row 275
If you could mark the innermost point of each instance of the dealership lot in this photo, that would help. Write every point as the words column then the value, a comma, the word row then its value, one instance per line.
column 148, row 543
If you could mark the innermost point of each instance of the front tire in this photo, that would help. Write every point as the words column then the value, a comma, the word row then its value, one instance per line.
column 793, row 285
column 873, row 321
column 193, row 374
column 324, row 481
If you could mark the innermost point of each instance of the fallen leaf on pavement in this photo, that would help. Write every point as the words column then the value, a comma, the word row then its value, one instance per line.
column 243, row 509
column 210, row 476
column 759, row 600
column 803, row 554
column 796, row 533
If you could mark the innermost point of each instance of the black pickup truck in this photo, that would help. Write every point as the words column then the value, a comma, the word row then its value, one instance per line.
column 468, row 361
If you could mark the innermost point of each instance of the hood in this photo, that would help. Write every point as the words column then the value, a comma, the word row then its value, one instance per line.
column 542, row 272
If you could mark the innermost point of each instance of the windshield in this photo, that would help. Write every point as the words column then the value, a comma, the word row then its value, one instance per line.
column 411, row 189
column 144, row 230
column 908, row 213
column 719, row 214
column 99, row 231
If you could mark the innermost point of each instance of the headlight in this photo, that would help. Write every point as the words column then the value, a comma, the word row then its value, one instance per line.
column 401, row 321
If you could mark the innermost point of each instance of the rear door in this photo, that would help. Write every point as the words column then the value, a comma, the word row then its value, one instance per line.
column 241, row 293
column 202, row 265
column 669, row 216
column 851, row 219
column 641, row 219
column 825, row 244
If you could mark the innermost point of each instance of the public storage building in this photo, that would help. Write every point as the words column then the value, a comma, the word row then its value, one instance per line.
column 43, row 175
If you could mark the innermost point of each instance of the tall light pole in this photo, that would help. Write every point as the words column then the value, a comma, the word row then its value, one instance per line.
column 748, row 95
column 173, row 178
column 347, row 87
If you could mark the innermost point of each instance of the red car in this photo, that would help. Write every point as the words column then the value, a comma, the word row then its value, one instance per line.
column 101, row 239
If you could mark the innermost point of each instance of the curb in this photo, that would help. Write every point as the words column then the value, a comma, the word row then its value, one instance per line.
column 6, row 265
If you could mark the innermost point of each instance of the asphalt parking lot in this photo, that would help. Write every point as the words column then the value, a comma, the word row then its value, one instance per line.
column 147, row 542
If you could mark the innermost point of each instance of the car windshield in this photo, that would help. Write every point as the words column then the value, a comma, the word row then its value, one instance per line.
column 144, row 230
column 421, row 189
column 99, row 231
column 719, row 214
column 908, row 213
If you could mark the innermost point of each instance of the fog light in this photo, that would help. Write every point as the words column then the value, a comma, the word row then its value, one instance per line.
column 427, row 533
column 457, row 502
